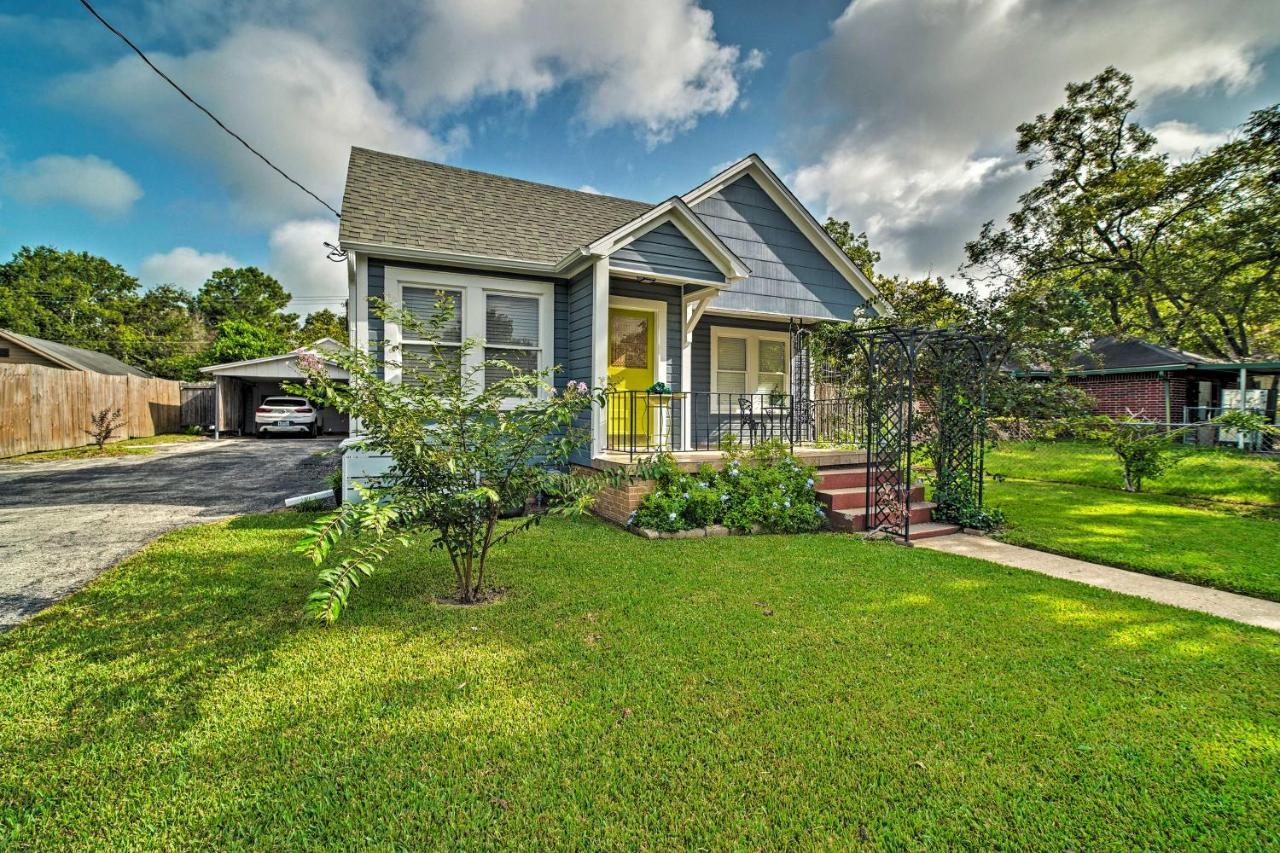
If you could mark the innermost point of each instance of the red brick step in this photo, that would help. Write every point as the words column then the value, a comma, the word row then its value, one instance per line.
column 855, row 497
column 855, row 519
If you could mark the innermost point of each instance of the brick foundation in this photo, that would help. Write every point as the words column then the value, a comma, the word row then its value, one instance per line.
column 617, row 503
column 1142, row 394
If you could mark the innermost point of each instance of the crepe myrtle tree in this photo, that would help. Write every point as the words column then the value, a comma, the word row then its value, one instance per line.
column 470, row 444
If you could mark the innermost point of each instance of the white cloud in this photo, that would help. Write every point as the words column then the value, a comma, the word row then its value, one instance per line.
column 1182, row 140
column 99, row 186
column 298, row 260
column 183, row 266
column 587, row 188
column 657, row 65
column 905, row 115
column 300, row 104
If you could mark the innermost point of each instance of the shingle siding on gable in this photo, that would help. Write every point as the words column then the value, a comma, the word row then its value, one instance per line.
column 666, row 250
column 789, row 276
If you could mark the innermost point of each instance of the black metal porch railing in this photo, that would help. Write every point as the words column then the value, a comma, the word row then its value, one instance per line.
column 644, row 423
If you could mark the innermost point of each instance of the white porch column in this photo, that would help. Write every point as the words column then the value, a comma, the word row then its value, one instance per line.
column 1244, row 376
column 692, row 305
column 599, row 346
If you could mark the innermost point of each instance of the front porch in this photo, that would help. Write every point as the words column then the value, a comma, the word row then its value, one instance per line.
column 691, row 460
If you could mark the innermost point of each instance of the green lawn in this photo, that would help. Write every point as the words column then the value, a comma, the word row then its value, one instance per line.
column 128, row 447
column 760, row 692
column 1220, row 475
column 1213, row 519
column 1220, row 546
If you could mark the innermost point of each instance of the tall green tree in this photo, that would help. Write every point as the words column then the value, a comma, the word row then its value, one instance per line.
column 927, row 302
column 1183, row 254
column 248, row 294
column 240, row 340
column 322, row 324
column 164, row 334
column 69, row 297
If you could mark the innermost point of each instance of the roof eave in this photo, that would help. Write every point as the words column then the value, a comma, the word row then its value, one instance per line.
column 409, row 253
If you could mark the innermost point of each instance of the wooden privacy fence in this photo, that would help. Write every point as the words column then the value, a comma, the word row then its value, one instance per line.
column 48, row 408
column 199, row 403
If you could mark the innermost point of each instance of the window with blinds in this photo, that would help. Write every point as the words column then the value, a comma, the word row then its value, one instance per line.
column 424, row 343
column 747, row 363
column 771, row 367
column 731, row 365
column 512, row 334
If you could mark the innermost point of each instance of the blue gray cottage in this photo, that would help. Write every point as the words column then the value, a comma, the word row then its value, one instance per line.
column 689, row 310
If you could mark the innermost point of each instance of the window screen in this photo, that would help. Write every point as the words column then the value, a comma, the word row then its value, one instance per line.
column 512, row 332
column 731, row 365
column 423, row 303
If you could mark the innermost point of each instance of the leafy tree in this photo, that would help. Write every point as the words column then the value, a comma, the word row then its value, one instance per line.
column 463, row 456
column 240, row 340
column 1182, row 254
column 322, row 324
column 247, row 294
column 163, row 333
column 856, row 246
column 69, row 297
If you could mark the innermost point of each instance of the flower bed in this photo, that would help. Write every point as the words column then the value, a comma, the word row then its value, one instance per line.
column 764, row 490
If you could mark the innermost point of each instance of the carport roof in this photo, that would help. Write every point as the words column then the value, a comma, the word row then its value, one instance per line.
column 260, row 368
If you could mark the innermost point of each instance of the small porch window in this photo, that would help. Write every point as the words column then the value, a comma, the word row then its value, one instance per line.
column 749, row 362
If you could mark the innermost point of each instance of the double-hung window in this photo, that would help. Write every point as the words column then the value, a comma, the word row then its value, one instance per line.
column 512, row 333
column 511, row 320
column 421, row 347
column 747, row 362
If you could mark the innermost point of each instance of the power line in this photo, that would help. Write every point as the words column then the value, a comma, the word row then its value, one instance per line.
column 202, row 109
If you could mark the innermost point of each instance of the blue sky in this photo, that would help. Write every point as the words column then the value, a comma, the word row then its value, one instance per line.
column 895, row 114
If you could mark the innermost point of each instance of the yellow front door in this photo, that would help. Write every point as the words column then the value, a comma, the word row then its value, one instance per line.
column 631, row 368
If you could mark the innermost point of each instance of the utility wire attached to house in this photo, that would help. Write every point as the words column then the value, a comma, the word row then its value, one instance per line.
column 202, row 109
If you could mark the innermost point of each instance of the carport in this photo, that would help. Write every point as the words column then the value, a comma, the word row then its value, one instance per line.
column 241, row 386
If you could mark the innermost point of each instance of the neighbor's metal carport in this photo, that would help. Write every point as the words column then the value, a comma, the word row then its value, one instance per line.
column 241, row 386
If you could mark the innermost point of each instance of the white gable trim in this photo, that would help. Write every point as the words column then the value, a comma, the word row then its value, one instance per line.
column 688, row 223
column 782, row 196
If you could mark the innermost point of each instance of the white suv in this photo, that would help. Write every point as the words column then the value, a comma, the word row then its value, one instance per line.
column 287, row 414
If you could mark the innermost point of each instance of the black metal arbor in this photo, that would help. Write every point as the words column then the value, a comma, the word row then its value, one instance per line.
column 925, row 396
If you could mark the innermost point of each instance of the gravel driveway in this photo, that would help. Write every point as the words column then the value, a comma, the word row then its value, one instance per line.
column 61, row 523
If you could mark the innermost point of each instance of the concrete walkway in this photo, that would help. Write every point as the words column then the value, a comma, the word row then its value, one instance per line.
column 1228, row 605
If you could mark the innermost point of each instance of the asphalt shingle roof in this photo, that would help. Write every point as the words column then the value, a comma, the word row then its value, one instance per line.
column 84, row 359
column 399, row 201
column 1116, row 353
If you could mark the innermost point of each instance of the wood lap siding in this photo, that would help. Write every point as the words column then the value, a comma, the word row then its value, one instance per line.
column 667, row 251
column 48, row 408
column 575, row 359
column 789, row 276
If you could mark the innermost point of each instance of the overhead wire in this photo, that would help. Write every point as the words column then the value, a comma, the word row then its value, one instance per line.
column 205, row 110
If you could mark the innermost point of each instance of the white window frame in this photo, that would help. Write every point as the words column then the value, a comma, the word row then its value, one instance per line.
column 474, row 290
column 753, row 338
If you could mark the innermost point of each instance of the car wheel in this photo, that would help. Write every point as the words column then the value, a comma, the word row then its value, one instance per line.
column 315, row 430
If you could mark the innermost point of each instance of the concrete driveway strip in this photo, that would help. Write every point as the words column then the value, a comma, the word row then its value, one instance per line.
column 62, row 523
column 1228, row 605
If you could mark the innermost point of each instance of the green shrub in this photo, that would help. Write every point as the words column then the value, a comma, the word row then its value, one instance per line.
column 764, row 487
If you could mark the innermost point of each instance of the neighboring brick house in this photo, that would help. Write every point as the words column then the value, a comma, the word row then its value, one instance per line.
column 1154, row 382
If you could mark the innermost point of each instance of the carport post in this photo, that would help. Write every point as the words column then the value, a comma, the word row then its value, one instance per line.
column 217, row 407
column 1244, row 378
